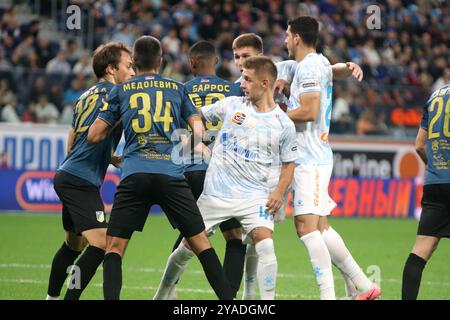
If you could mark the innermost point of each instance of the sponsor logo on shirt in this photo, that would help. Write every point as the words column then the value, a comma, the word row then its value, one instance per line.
column 238, row 118
column 310, row 84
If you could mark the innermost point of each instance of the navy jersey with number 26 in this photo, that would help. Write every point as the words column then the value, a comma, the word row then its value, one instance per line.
column 151, row 108
column 436, row 120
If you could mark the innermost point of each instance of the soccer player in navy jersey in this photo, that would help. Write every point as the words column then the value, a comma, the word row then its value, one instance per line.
column 204, row 89
column 152, row 108
column 78, row 179
column 432, row 145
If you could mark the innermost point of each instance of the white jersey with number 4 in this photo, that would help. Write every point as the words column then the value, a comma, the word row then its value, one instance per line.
column 249, row 147
column 313, row 74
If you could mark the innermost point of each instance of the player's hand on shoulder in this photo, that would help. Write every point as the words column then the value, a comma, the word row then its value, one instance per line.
column 356, row 70
column 116, row 161
column 282, row 87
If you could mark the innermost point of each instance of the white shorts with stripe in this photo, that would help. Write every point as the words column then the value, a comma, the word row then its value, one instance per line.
column 250, row 213
column 310, row 190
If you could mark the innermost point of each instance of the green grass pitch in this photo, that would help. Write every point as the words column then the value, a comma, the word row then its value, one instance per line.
column 29, row 241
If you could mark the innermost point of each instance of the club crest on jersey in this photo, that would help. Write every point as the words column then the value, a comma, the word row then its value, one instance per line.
column 142, row 140
column 238, row 118
column 100, row 215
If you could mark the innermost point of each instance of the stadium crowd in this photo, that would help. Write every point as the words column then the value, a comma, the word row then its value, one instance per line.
column 403, row 61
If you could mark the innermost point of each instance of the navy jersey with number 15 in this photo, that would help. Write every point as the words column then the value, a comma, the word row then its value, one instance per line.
column 436, row 120
column 151, row 108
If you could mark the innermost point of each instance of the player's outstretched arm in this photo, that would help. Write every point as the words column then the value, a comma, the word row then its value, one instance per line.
column 276, row 197
column 310, row 104
column 98, row 131
column 342, row 71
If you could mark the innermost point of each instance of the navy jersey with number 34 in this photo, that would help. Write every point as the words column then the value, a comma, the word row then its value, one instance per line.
column 436, row 120
column 151, row 108
column 86, row 160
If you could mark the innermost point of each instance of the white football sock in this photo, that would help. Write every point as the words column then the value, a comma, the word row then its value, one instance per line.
column 174, row 269
column 321, row 263
column 350, row 290
column 267, row 269
column 250, row 269
column 344, row 261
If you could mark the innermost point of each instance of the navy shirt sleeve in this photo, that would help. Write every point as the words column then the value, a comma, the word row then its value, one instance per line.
column 187, row 107
column 110, row 111
column 424, row 121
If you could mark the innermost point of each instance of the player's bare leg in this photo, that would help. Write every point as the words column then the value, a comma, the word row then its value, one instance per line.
column 63, row 259
column 307, row 227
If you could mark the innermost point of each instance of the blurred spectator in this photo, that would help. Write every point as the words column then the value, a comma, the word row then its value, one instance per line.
column 59, row 64
column 4, row 160
column 6, row 94
column 73, row 53
column 83, row 66
column 341, row 118
column 9, row 112
column 171, row 42
column 66, row 114
column 44, row 51
column 46, row 112
column 56, row 96
column 73, row 93
column 30, row 113
column 441, row 81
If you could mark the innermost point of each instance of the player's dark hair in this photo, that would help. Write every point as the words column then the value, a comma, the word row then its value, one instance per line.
column 249, row 40
column 202, row 50
column 147, row 53
column 108, row 55
column 262, row 66
column 307, row 28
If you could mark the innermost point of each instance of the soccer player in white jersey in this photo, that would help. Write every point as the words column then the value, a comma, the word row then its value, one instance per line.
column 250, row 45
column 255, row 136
column 310, row 109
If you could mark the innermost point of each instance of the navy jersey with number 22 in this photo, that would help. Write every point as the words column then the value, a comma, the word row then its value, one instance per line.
column 151, row 108
column 86, row 160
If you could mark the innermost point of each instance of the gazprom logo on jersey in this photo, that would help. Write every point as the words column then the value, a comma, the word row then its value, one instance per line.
column 34, row 191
